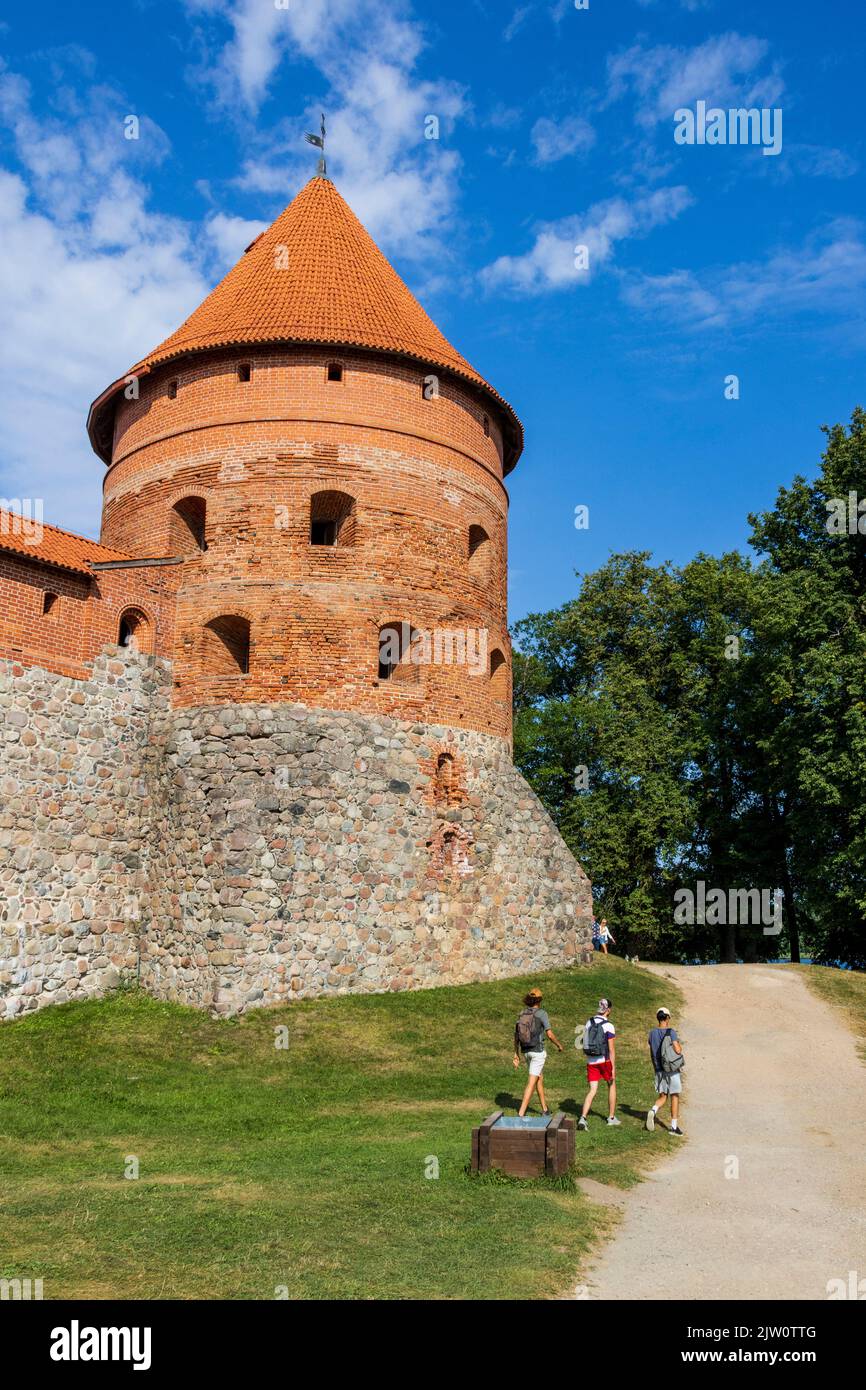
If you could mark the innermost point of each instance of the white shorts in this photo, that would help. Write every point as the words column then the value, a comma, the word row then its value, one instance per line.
column 536, row 1062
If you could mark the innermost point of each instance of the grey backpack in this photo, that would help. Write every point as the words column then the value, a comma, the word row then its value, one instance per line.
column 670, row 1060
column 594, row 1039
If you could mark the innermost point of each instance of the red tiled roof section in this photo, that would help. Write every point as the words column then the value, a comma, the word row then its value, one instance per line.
column 48, row 545
column 315, row 276
column 331, row 284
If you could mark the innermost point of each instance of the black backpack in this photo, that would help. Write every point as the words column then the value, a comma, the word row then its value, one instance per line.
column 530, row 1030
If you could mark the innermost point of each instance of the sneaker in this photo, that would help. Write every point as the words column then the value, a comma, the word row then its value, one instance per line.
column 545, row 1114
column 581, row 1124
column 650, row 1120
column 675, row 1129
column 612, row 1120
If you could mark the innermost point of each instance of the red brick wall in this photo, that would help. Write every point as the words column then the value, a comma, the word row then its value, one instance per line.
column 422, row 472
column 84, row 618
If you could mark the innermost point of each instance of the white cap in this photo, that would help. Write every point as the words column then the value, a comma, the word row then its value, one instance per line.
column 663, row 1010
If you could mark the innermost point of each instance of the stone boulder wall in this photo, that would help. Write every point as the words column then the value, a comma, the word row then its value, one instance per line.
column 310, row 852
column 77, row 780
column 244, row 855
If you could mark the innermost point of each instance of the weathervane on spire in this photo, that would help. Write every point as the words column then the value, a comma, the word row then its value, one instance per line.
column 319, row 140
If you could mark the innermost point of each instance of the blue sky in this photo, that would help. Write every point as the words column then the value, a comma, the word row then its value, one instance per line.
column 556, row 130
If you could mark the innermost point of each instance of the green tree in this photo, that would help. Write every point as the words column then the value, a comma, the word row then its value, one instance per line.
column 710, row 722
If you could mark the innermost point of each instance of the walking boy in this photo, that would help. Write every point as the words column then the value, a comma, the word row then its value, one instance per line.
column 599, row 1048
column 530, row 1031
column 666, row 1054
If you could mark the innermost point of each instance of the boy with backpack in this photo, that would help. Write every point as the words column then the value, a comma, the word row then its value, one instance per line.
column 666, row 1054
column 599, row 1048
column 530, row 1031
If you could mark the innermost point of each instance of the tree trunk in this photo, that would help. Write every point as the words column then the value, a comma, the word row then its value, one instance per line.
column 791, row 912
column 728, row 944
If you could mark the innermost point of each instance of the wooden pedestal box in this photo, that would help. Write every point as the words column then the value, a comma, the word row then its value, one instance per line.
column 525, row 1148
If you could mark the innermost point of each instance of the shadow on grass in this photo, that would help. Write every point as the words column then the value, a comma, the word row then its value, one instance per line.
column 635, row 1114
column 504, row 1100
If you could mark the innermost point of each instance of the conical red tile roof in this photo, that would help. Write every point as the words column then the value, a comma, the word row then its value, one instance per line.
column 315, row 276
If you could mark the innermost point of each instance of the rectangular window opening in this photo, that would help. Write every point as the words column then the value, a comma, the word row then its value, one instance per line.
column 323, row 533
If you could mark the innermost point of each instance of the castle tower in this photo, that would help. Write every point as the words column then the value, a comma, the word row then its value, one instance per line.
column 336, row 804
column 330, row 467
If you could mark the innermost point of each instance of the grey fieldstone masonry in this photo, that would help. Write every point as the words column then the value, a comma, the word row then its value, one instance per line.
column 75, row 814
column 246, row 854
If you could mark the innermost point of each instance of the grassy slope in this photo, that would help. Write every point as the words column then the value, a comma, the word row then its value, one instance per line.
column 845, row 990
column 302, row 1167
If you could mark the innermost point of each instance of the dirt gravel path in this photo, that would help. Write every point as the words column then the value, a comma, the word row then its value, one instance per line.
column 795, row 1123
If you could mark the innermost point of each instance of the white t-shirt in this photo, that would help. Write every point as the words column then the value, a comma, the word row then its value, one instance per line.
column 611, row 1033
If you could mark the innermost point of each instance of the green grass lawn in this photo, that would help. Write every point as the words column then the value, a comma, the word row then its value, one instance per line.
column 844, row 990
column 304, row 1167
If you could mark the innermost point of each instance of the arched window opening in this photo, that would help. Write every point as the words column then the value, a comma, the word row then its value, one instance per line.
column 226, row 650
column 172, row 389
column 498, row 675
column 332, row 519
column 335, row 371
column 450, row 849
column 397, row 656
column 245, row 371
column 444, row 777
column 49, row 603
column 480, row 551
column 187, row 527
column 134, row 630
column 487, row 426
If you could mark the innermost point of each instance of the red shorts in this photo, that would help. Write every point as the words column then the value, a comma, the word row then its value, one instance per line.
column 599, row 1071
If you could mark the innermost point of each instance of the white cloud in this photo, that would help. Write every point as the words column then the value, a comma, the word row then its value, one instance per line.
column 401, row 184
column 554, row 140
column 73, row 156
column 90, row 280
column 723, row 71
column 230, row 236
column 683, row 4
column 518, row 19
column 825, row 276
column 816, row 161
column 550, row 263
column 677, row 295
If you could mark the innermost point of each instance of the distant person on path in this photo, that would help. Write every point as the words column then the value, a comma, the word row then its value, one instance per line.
column 530, row 1031
column 666, row 1054
column 596, row 935
column 605, row 935
column 599, row 1048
